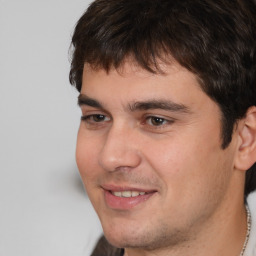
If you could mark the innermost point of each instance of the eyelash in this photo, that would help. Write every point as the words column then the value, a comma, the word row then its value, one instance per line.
column 148, row 120
column 87, row 118
column 159, row 121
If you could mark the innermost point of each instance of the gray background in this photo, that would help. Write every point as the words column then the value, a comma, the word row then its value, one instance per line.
column 44, row 210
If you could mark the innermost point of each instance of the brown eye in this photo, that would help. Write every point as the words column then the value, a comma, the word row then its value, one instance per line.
column 156, row 121
column 98, row 118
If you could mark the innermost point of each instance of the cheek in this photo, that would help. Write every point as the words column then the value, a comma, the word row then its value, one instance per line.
column 186, row 167
column 86, row 156
column 192, row 180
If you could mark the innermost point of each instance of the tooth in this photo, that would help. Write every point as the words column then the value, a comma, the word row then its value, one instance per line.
column 119, row 194
column 126, row 193
column 135, row 193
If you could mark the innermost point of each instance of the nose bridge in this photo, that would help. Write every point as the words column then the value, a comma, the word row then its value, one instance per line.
column 120, row 148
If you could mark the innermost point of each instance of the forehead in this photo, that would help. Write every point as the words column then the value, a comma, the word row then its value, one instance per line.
column 130, row 76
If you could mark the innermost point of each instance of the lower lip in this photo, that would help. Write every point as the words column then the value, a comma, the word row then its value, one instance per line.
column 124, row 203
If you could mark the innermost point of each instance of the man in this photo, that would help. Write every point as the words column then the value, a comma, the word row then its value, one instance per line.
column 167, row 142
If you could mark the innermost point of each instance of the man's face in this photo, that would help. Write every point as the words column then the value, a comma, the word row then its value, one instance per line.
column 149, row 153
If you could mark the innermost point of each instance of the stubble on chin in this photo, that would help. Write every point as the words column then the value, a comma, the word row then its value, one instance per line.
column 159, row 238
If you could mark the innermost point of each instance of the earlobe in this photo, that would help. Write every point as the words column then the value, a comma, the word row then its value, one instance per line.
column 246, row 155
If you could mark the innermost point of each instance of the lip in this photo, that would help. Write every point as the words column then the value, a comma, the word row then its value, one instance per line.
column 115, row 188
column 125, row 203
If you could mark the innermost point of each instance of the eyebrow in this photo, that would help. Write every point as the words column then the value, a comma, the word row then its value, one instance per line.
column 159, row 104
column 85, row 100
column 139, row 105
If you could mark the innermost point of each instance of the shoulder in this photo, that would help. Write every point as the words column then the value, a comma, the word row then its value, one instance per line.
column 103, row 248
column 251, row 246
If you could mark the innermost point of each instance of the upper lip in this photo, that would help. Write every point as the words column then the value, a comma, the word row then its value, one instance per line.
column 118, row 188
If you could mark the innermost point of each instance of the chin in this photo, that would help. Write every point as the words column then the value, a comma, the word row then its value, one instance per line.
column 131, row 238
column 122, row 237
column 137, row 236
column 116, row 242
column 117, row 238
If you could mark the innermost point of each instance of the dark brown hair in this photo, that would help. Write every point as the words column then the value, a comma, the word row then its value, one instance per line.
column 214, row 39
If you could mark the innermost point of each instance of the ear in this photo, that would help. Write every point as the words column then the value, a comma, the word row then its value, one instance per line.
column 246, row 155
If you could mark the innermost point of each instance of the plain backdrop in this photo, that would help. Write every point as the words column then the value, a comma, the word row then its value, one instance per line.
column 44, row 210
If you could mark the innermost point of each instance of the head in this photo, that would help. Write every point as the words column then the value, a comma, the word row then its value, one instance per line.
column 223, row 57
column 215, row 41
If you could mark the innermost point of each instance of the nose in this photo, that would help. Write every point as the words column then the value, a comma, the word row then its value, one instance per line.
column 120, row 149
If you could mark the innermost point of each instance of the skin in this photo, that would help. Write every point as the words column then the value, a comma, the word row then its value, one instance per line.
column 197, row 205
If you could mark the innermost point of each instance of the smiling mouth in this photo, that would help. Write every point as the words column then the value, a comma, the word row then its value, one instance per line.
column 125, row 199
column 128, row 194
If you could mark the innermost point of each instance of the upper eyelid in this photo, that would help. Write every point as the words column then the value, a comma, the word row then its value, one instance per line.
column 160, row 117
column 167, row 118
column 144, row 116
column 94, row 114
column 88, row 110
